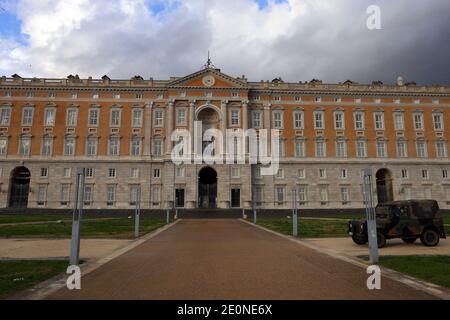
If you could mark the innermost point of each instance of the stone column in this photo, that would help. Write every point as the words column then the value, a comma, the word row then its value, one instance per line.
column 191, row 123
column 148, row 128
column 267, row 125
column 245, row 115
column 224, row 124
column 169, row 127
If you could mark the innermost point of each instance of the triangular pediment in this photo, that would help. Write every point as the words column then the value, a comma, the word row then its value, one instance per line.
column 208, row 78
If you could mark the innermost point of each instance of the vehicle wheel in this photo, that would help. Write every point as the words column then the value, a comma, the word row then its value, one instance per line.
column 381, row 239
column 430, row 238
column 359, row 239
column 409, row 240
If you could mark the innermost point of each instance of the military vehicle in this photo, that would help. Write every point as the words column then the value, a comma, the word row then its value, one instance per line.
column 408, row 220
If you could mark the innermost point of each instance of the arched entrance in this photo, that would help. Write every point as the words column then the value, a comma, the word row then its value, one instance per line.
column 19, row 187
column 207, row 188
column 384, row 186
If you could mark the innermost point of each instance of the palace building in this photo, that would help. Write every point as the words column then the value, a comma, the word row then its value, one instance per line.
column 119, row 131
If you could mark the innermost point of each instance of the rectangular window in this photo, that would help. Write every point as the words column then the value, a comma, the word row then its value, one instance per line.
column 278, row 119
column 179, row 172
column 345, row 195
column 339, row 121
column 257, row 119
column 135, row 173
column 359, row 121
column 88, row 195
column 445, row 174
column 381, row 149
column 301, row 173
column 74, row 95
column 42, row 194
column 441, row 149
column 114, row 146
column 318, row 120
column 235, row 117
column 421, row 148
column 258, row 195
column 300, row 148
column 235, row 172
column 425, row 174
column 298, row 120
column 181, row 117
column 72, row 117
column 321, row 151
column 379, row 121
column 27, row 116
column 3, row 146
column 137, row 118
column 67, row 172
column 44, row 172
column 438, row 121
column 65, row 194
column 91, row 147
column 93, row 117
column 280, row 174
column 116, row 95
column 302, row 194
column 159, row 118
column 47, row 146
column 69, row 146
column 361, row 149
column 158, row 148
column 418, row 121
column 112, row 172
column 49, row 117
column 402, row 149
column 89, row 172
column 95, row 96
column 323, row 193
column 157, row 173
column 135, row 191
column 405, row 174
column 280, row 194
column 399, row 121
column 156, row 196
column 111, row 194
column 407, row 193
column 343, row 174
column 115, row 118
column 136, row 147
column 322, row 173
column 341, row 148
column 5, row 116
column 25, row 146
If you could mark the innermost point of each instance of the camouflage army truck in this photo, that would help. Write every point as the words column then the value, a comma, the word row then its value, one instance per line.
column 408, row 220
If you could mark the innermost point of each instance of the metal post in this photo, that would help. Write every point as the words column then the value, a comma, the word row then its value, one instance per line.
column 77, row 213
column 168, row 216
column 371, row 217
column 294, row 214
column 138, row 214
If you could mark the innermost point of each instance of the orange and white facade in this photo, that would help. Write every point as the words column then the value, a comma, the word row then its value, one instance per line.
column 120, row 131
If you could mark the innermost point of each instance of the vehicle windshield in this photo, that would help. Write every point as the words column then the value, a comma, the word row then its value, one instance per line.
column 383, row 211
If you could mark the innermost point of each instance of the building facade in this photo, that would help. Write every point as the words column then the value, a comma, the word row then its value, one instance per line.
column 119, row 130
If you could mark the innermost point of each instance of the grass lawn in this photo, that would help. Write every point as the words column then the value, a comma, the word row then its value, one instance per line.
column 434, row 269
column 4, row 219
column 122, row 228
column 308, row 228
column 16, row 276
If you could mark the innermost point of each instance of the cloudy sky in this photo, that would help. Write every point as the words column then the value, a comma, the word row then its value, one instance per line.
column 263, row 39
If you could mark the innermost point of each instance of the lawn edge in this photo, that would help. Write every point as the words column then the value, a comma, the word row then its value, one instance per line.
column 44, row 289
column 418, row 284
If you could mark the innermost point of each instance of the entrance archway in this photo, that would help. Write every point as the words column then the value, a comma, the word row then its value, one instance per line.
column 207, row 188
column 385, row 191
column 19, row 187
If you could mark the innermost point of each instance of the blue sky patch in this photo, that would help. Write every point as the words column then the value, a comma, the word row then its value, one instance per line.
column 10, row 26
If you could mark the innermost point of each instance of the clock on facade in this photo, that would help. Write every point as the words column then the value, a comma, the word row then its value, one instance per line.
column 209, row 81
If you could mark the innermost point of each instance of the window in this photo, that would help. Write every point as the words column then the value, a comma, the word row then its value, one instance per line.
column 399, row 121
column 138, row 96
column 427, row 193
column 159, row 118
column 338, row 99
column 322, row 173
column 67, row 172
column 441, row 149
column 235, row 117
column 381, row 149
column 358, row 100
column 30, row 94
column 157, row 173
column 402, row 149
column 135, row 173
column 361, row 148
column 89, row 172
column 42, row 194
column 47, row 146
column 256, row 98
column 438, row 121
column 112, row 173
column 445, row 174
column 278, row 119
column 74, row 95
column 115, row 117
column 116, row 95
column 257, row 119
column 160, row 96
column 111, row 194
column 24, row 146
column 280, row 194
column 235, row 94
column 321, row 151
column 91, row 146
column 318, row 99
column 281, row 147
column 323, row 193
column 300, row 148
column 379, row 121
column 425, row 174
column 341, row 148
column 49, row 117
column 44, row 172
column 405, row 174
column 339, row 121
column 69, row 146
column 359, row 121
column 298, row 120
column 301, row 173
column 235, row 172
column 27, row 116
column 3, row 146
column 280, row 174
column 65, row 194
column 258, row 195
column 181, row 116
column 157, row 147
column 258, row 172
column 421, row 148
column 88, row 195
column 5, row 116
column 8, row 94
column 95, row 96
column 318, row 120
column 407, row 193
column 136, row 146
column 114, row 146
column 93, row 117
column 298, row 99
column 156, row 196
column 343, row 174
column 302, row 194
column 135, row 194
column 345, row 195
column 179, row 172
column 72, row 117
column 52, row 95
column 435, row 101
column 277, row 98
column 418, row 121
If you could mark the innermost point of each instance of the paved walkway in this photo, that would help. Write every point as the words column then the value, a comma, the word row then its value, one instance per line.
column 228, row 259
